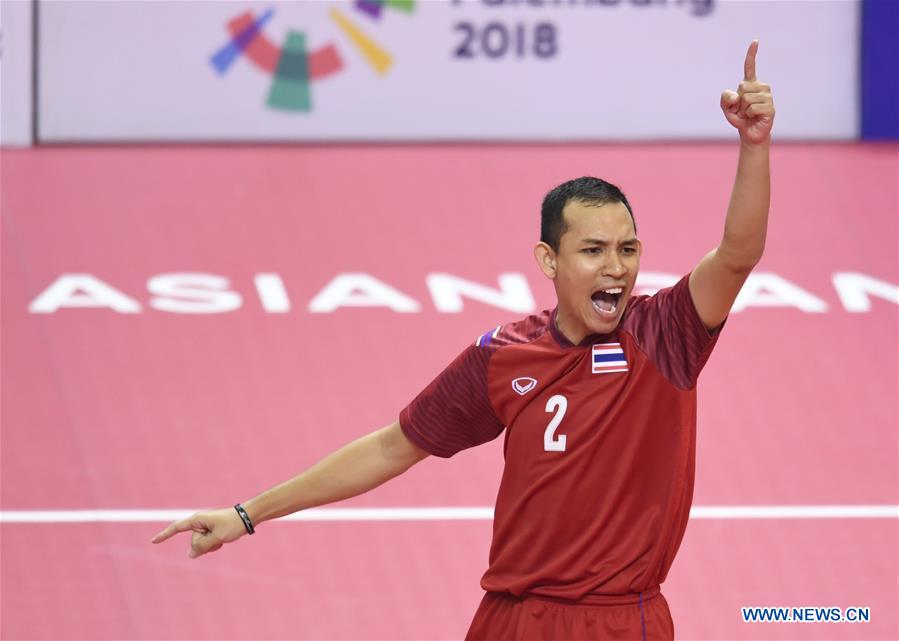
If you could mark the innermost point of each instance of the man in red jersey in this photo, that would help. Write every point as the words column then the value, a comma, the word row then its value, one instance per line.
column 597, row 399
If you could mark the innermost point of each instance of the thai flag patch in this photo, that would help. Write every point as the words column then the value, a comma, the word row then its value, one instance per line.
column 608, row 358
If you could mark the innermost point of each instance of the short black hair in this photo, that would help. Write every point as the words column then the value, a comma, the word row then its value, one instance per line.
column 587, row 190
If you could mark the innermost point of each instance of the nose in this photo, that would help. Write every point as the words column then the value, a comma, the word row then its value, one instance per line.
column 614, row 266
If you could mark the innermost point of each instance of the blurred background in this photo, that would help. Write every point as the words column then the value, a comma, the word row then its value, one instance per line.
column 238, row 235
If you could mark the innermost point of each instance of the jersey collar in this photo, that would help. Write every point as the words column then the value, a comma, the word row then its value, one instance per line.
column 590, row 339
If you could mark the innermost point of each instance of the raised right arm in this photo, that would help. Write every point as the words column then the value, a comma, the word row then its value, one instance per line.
column 354, row 469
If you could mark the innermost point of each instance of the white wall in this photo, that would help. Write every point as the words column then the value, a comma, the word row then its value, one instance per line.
column 15, row 72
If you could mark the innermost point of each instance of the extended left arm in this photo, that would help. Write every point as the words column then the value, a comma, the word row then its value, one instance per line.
column 717, row 279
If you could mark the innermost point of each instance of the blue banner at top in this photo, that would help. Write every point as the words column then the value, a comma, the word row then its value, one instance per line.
column 880, row 70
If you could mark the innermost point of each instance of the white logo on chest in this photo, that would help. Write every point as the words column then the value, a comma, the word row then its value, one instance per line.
column 524, row 384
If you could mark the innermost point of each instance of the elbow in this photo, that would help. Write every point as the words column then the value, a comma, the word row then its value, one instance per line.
column 399, row 452
column 740, row 262
column 747, row 265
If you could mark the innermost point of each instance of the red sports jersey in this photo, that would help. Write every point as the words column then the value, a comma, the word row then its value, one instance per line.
column 599, row 449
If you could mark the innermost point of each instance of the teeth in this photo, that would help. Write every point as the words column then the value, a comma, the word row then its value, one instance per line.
column 605, row 311
column 613, row 290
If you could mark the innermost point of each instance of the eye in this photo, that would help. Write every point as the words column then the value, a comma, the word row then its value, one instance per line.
column 629, row 251
column 593, row 250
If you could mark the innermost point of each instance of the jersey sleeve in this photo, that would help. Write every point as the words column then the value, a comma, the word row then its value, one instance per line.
column 454, row 412
column 668, row 329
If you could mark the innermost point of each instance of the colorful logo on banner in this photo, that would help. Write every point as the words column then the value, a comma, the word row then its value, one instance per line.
column 293, row 68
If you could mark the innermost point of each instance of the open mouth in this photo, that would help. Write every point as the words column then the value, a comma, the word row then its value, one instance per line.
column 605, row 301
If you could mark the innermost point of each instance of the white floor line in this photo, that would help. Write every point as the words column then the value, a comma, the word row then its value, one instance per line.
column 448, row 514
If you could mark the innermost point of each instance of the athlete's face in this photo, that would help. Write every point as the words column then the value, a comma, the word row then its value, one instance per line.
column 595, row 268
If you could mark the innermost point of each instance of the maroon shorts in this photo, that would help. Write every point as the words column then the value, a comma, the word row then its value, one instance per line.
column 634, row 617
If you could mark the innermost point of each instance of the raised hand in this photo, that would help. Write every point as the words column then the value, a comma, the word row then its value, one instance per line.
column 751, row 108
column 211, row 530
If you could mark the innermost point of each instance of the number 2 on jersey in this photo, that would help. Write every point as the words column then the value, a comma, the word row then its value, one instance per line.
column 550, row 442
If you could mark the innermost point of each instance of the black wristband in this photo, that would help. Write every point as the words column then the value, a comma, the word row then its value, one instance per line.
column 247, row 523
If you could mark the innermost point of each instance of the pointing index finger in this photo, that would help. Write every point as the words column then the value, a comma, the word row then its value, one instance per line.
column 178, row 526
column 749, row 64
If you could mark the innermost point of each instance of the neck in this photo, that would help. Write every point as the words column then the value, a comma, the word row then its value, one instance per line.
column 574, row 337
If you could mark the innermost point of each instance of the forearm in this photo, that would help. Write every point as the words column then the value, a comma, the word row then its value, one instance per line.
column 354, row 469
column 747, row 215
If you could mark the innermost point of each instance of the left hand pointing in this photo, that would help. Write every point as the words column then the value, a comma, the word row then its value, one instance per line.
column 751, row 108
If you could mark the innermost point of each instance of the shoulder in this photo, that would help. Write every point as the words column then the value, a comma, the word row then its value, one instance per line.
column 668, row 330
column 673, row 299
column 515, row 333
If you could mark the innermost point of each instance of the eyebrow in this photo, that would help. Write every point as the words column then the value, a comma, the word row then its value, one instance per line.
column 598, row 241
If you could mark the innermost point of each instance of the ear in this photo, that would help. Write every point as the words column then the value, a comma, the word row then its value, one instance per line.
column 546, row 259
